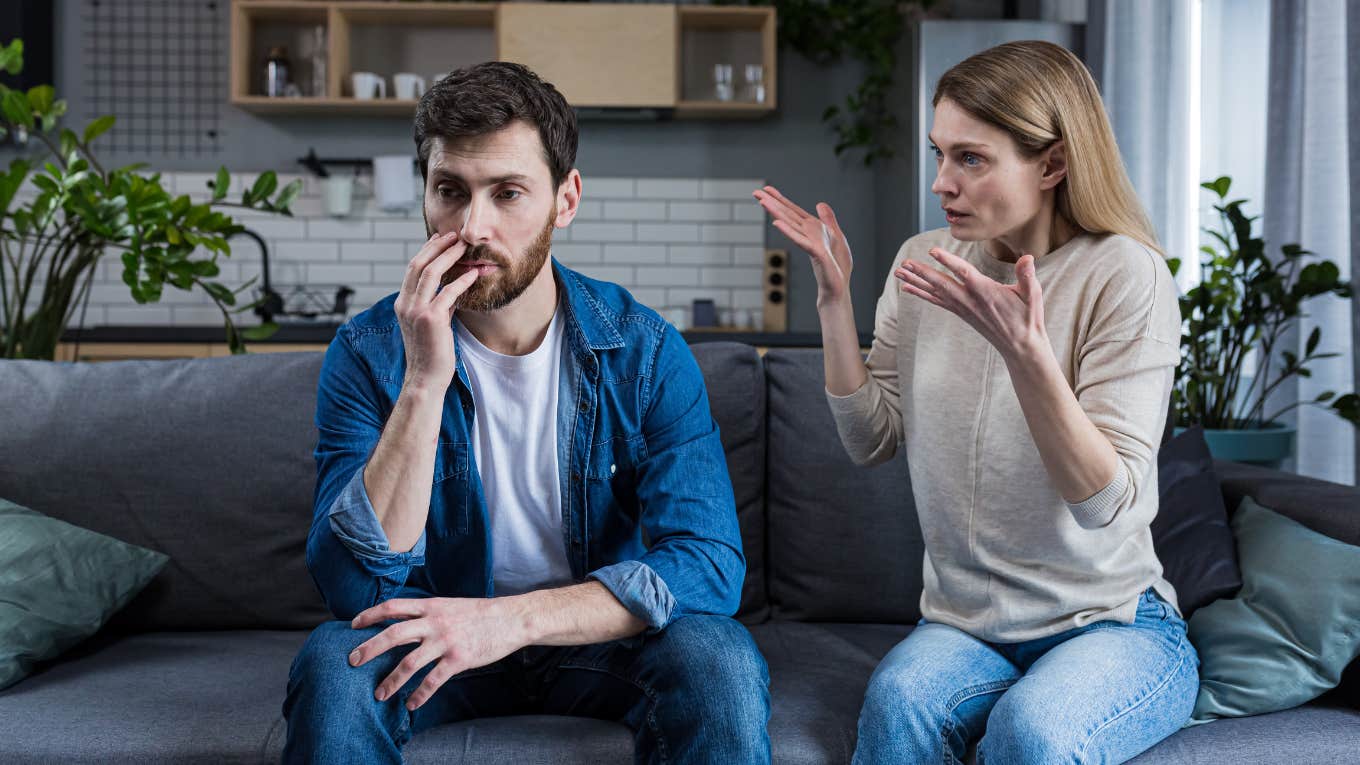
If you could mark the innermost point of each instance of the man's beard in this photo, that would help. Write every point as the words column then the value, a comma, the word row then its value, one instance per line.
column 510, row 279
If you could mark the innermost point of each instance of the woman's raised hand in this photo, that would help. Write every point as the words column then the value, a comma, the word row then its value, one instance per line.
column 819, row 235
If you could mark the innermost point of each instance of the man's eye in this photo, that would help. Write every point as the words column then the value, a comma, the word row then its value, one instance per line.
column 510, row 194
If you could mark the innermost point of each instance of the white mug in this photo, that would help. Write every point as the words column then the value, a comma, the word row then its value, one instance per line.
column 408, row 86
column 338, row 194
column 368, row 85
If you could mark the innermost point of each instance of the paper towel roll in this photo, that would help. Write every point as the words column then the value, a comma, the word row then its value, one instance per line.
column 393, row 181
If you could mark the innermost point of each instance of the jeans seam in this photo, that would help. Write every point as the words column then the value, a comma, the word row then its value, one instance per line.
column 1137, row 702
column 955, row 701
column 646, row 691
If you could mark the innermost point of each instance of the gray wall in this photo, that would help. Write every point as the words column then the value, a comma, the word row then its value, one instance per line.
column 792, row 148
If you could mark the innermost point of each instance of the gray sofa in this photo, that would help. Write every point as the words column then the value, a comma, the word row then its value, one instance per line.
column 210, row 462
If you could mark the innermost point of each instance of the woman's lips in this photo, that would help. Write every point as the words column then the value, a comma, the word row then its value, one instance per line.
column 954, row 217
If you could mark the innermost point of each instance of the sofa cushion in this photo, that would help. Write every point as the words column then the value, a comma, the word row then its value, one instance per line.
column 157, row 697
column 208, row 461
column 1289, row 634
column 218, row 697
column 59, row 583
column 1190, row 531
column 844, row 541
column 735, row 378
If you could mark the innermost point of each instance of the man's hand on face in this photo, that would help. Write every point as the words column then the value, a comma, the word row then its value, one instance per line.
column 457, row 633
column 424, row 310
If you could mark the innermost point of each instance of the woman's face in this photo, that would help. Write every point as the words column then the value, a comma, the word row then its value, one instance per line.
column 988, row 191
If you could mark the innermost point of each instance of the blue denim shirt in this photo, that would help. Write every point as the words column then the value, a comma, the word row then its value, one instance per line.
column 647, row 505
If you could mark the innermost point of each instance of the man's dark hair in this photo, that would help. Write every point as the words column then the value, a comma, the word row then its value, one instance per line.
column 487, row 97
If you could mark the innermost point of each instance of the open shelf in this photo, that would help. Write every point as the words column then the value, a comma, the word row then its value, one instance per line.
column 601, row 55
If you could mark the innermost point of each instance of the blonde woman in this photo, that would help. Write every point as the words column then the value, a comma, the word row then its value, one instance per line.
column 1024, row 358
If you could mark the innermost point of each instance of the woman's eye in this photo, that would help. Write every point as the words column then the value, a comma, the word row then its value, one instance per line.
column 938, row 154
column 971, row 160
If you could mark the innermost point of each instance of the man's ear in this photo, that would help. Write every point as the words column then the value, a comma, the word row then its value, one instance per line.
column 568, row 199
column 1054, row 166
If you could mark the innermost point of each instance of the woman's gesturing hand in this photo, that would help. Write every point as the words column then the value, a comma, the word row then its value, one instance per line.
column 1010, row 316
column 820, row 236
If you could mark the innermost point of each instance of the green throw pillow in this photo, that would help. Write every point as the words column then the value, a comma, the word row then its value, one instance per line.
column 1292, row 629
column 58, row 585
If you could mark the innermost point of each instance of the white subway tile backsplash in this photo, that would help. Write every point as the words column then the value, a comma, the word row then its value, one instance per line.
column 641, row 254
column 667, row 232
column 668, row 188
column 311, row 251
column 712, row 188
column 339, row 229
column 634, row 211
column 667, row 240
column 376, row 252
column 600, row 232
column 700, row 255
column 717, row 212
column 347, row 273
column 608, row 188
column 731, row 277
column 573, row 253
column 666, row 276
column 733, row 233
column 400, row 230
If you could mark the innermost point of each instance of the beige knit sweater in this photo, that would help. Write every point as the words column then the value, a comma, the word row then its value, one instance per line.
column 1007, row 558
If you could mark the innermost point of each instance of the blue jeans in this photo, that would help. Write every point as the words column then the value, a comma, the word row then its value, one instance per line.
column 1100, row 693
column 698, row 691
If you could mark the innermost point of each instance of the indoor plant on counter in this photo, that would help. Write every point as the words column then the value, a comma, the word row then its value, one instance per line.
column 1245, row 301
column 51, row 243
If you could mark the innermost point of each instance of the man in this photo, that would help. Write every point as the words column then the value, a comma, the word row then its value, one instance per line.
column 522, row 503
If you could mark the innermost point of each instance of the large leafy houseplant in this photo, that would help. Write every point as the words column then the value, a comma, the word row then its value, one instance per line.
column 51, row 243
column 1247, row 300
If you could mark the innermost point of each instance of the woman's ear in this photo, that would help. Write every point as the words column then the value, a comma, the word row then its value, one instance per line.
column 1054, row 166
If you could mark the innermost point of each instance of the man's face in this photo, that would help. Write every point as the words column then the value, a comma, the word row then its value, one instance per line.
column 497, row 191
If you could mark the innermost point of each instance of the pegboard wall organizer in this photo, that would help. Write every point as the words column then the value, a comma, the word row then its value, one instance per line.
column 156, row 65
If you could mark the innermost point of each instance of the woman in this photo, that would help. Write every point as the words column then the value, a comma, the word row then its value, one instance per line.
column 1024, row 357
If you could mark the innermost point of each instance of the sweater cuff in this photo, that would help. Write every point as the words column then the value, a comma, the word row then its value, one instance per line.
column 1098, row 509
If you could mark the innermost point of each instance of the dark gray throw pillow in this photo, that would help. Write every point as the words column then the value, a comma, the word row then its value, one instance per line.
column 1191, row 532
column 59, row 583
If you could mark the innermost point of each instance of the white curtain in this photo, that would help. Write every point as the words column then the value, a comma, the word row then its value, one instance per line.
column 1140, row 54
column 1308, row 201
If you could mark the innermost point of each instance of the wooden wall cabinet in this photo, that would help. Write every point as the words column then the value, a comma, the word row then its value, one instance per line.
column 601, row 56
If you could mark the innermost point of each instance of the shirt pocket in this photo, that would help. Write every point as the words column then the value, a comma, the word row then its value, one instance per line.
column 448, row 496
column 611, row 476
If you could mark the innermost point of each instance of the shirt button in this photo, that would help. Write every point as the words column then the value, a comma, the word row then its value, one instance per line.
column 575, row 476
column 611, row 470
column 585, row 406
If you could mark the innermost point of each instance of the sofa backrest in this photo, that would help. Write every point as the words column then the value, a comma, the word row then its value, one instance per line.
column 735, row 378
column 844, row 542
column 207, row 460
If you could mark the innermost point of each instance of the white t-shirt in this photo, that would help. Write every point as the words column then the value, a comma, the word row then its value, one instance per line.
column 514, row 440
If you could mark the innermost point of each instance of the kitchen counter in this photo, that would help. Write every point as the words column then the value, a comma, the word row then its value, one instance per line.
column 322, row 333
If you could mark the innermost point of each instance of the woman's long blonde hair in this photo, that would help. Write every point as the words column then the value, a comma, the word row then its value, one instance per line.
column 1040, row 93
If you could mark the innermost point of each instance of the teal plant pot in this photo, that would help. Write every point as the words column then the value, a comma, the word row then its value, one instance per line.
column 1269, row 446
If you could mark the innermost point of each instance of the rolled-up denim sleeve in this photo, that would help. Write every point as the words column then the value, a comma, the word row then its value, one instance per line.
column 694, row 564
column 641, row 590
column 355, row 523
column 347, row 553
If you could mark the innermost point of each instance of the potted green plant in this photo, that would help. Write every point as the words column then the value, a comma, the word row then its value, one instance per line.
column 51, row 243
column 1246, row 300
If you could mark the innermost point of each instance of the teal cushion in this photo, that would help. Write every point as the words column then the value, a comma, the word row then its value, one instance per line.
column 58, row 585
column 1292, row 629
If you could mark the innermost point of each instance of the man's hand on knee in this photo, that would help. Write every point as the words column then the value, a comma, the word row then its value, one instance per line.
column 457, row 633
